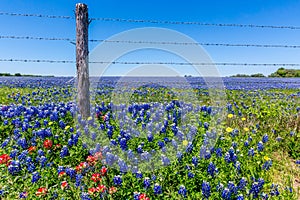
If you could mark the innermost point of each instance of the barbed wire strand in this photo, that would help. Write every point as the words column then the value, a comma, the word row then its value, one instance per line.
column 144, row 63
column 194, row 23
column 37, row 15
column 154, row 42
column 155, row 21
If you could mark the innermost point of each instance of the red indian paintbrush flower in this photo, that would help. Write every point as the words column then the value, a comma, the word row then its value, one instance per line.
column 48, row 144
column 31, row 149
column 64, row 185
column 96, row 177
column 92, row 190
column 103, row 171
column 61, row 174
column 101, row 188
column 112, row 190
column 81, row 166
column 4, row 158
column 41, row 191
column 91, row 160
column 143, row 197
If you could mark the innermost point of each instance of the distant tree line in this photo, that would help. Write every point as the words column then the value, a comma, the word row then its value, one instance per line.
column 281, row 72
column 19, row 74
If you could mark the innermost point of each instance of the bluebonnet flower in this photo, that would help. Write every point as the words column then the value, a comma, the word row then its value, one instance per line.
column 70, row 142
column 260, row 146
column 5, row 143
column 227, row 157
column 110, row 159
column 278, row 139
column 22, row 142
column 179, row 156
column 212, row 170
column 30, row 167
column 14, row 167
column 219, row 152
column 23, row 195
column 265, row 138
column 251, row 152
column 195, row 161
column 226, row 194
column 242, row 184
column 274, row 191
column 191, row 175
column 62, row 124
column 123, row 144
column 117, row 180
column 232, row 188
column 264, row 196
column 182, row 191
column 267, row 165
column 157, row 189
column 206, row 189
column 150, row 137
column 85, row 196
column 139, row 174
column 28, row 159
column 35, row 177
column 234, row 144
column 23, row 155
column 161, row 144
column 207, row 155
column 64, row 152
column 153, row 177
column 240, row 197
column 189, row 148
column 123, row 166
column 147, row 182
column 60, row 169
column 78, row 180
column 165, row 160
column 71, row 172
column 246, row 143
column 43, row 161
column 41, row 152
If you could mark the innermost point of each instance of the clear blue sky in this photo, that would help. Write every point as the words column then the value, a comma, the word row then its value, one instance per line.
column 264, row 12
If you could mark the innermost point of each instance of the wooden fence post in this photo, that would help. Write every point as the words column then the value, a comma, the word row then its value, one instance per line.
column 83, row 83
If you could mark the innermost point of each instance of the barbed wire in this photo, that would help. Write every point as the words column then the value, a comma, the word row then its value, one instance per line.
column 154, row 42
column 37, row 15
column 35, row 38
column 155, row 21
column 37, row 61
column 194, row 23
column 148, row 63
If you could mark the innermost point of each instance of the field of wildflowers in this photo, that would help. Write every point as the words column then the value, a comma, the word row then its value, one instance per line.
column 151, row 147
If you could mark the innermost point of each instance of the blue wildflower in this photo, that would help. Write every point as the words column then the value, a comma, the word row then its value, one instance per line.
column 117, row 180
column 206, row 189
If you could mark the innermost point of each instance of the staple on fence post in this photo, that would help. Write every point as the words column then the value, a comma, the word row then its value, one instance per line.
column 83, row 83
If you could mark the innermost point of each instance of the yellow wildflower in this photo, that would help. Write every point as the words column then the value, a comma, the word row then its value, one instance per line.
column 246, row 129
column 266, row 158
column 185, row 142
column 243, row 118
column 230, row 115
column 229, row 130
